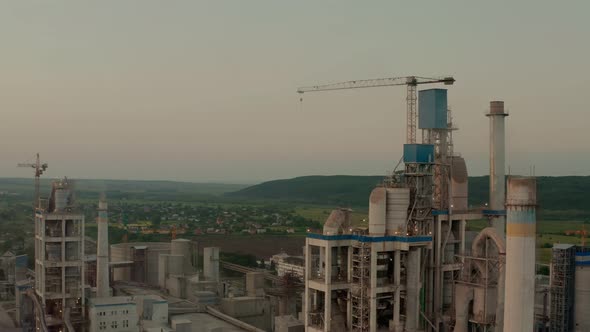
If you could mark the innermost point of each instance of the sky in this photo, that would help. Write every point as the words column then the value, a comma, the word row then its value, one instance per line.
column 205, row 91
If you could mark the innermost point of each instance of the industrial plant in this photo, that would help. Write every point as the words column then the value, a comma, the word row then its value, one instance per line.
column 79, row 284
column 414, row 267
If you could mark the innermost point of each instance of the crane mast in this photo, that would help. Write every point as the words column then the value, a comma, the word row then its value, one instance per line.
column 39, row 169
column 410, row 81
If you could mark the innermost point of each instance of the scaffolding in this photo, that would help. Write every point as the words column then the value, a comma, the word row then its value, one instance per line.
column 562, row 288
column 361, row 279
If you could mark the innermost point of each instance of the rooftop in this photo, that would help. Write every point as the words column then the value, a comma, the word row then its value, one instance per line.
column 115, row 300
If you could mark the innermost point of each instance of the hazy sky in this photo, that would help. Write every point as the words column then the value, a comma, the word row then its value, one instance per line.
column 205, row 90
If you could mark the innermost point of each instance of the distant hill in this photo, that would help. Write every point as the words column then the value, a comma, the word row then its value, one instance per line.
column 129, row 189
column 561, row 197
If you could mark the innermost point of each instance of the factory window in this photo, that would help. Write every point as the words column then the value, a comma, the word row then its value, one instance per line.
column 114, row 324
column 125, row 323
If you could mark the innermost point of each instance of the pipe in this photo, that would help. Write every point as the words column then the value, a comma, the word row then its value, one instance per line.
column 520, row 254
column 102, row 250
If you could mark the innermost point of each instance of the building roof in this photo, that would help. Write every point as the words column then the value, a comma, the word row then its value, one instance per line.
column 562, row 246
column 109, row 301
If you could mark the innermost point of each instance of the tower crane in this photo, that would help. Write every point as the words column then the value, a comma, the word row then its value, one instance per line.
column 583, row 233
column 410, row 81
column 39, row 169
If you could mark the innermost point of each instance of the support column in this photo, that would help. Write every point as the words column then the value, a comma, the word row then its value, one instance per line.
column 413, row 289
column 328, row 309
column 328, row 281
column 349, row 279
column 396, row 295
column 307, row 274
column 372, row 292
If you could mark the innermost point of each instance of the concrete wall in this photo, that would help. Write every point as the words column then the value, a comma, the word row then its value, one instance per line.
column 255, row 311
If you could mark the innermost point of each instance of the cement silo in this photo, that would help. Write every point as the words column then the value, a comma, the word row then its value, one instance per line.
column 182, row 247
column 520, row 254
column 459, row 184
column 396, row 215
column 377, row 211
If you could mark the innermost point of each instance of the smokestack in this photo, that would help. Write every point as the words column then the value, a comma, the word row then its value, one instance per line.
column 520, row 254
column 102, row 251
column 497, row 209
column 497, row 165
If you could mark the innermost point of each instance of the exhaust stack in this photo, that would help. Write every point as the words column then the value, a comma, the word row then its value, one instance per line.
column 520, row 254
column 102, row 251
column 497, row 165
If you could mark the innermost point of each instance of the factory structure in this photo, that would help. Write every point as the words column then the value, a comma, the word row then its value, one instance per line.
column 414, row 268
column 79, row 284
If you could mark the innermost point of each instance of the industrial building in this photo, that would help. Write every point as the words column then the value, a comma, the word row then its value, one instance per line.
column 570, row 288
column 59, row 260
column 413, row 268
column 78, row 285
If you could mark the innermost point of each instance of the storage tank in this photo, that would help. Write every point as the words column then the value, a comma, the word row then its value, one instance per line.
column 61, row 196
column 459, row 184
column 377, row 211
column 182, row 247
column 175, row 265
column 398, row 201
column 582, row 291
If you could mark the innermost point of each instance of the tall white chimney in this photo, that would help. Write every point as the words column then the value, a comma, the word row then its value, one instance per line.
column 497, row 204
column 497, row 165
column 102, row 251
column 520, row 254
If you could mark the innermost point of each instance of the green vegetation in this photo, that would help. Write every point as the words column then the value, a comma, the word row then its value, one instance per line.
column 559, row 198
column 274, row 214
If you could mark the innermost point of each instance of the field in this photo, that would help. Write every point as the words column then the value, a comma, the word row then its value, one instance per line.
column 278, row 206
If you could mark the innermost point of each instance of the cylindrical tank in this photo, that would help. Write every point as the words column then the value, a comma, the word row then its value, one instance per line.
column 182, row 247
column 175, row 265
column 520, row 254
column 398, row 200
column 459, row 184
column 582, row 292
column 61, row 198
column 377, row 211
